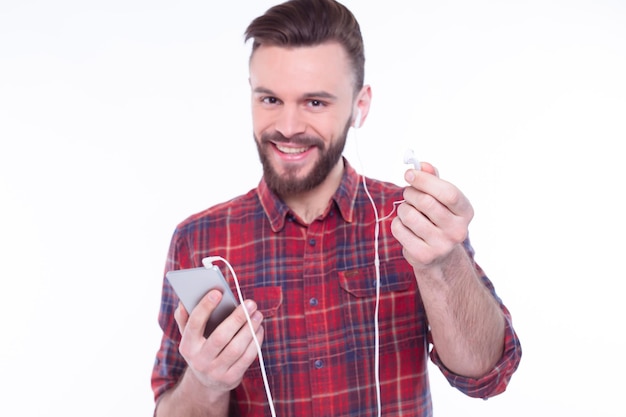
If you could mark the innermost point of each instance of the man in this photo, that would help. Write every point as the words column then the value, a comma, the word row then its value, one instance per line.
column 346, row 289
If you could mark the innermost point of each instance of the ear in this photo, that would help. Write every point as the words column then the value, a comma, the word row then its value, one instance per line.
column 361, row 106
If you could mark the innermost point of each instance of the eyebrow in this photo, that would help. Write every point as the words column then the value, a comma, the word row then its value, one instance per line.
column 317, row 94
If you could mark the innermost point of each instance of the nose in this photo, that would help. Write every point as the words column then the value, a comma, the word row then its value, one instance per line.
column 290, row 121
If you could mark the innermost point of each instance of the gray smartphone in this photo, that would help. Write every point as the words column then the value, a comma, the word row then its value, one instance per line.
column 192, row 284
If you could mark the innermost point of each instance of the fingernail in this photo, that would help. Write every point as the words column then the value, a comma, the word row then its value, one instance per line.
column 410, row 175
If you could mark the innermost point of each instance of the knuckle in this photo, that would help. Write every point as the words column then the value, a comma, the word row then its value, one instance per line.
column 459, row 235
column 430, row 203
column 470, row 213
column 237, row 349
column 396, row 229
column 182, row 348
column 406, row 194
column 219, row 338
column 454, row 197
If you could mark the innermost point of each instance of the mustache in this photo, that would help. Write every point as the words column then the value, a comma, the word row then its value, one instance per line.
column 302, row 139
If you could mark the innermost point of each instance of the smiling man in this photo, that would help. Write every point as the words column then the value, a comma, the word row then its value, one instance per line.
column 348, row 295
column 302, row 110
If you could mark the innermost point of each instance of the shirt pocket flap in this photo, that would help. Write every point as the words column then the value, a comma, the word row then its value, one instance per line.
column 361, row 282
column 268, row 299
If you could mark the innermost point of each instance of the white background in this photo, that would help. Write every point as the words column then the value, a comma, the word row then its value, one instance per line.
column 120, row 118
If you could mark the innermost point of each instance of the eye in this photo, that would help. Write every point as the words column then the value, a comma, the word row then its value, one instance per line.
column 316, row 103
column 269, row 100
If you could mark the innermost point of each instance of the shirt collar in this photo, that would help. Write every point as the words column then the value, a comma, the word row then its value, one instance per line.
column 344, row 198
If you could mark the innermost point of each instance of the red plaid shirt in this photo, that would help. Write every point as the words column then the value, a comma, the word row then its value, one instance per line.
column 315, row 285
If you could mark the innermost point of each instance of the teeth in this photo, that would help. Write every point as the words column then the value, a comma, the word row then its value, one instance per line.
column 290, row 150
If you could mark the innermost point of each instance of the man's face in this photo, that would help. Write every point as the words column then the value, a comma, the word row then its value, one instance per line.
column 302, row 102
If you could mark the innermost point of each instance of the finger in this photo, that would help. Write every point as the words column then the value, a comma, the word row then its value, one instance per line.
column 239, row 348
column 453, row 225
column 431, row 220
column 442, row 191
column 233, row 336
column 232, row 325
column 181, row 316
column 200, row 315
column 425, row 204
column 244, row 336
column 423, row 247
column 427, row 167
column 250, row 352
column 415, row 231
column 413, row 245
column 407, row 236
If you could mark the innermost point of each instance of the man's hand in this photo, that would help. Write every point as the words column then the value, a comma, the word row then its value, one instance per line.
column 466, row 322
column 219, row 361
column 433, row 219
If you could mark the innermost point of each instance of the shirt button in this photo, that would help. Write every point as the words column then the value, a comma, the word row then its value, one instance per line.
column 319, row 364
column 313, row 301
column 312, row 242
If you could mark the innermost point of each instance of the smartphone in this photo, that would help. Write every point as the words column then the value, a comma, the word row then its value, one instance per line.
column 192, row 284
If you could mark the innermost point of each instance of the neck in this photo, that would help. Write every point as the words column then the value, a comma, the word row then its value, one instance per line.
column 311, row 204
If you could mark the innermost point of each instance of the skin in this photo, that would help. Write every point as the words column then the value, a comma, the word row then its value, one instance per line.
column 466, row 322
column 215, row 364
column 308, row 92
column 295, row 92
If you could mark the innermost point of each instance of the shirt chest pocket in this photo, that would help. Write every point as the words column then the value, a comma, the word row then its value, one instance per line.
column 401, row 317
column 268, row 299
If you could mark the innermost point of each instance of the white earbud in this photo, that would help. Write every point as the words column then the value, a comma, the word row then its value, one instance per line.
column 357, row 119
column 409, row 158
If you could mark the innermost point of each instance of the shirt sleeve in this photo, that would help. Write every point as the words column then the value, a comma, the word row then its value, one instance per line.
column 496, row 381
column 169, row 365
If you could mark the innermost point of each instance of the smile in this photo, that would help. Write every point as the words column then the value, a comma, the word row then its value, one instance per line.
column 291, row 151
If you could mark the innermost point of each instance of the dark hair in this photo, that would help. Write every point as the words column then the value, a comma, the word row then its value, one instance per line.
column 309, row 23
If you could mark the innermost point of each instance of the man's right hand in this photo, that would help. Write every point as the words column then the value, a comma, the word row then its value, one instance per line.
column 215, row 365
column 219, row 361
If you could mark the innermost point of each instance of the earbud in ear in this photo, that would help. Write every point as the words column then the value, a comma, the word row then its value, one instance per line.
column 409, row 158
column 357, row 119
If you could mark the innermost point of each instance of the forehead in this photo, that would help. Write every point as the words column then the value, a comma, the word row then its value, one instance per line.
column 324, row 67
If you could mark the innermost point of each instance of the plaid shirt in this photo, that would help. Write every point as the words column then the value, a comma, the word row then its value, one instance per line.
column 316, row 287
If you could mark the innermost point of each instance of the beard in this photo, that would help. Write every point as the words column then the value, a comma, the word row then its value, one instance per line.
column 289, row 183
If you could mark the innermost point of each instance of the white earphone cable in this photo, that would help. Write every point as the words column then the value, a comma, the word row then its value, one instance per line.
column 377, row 305
column 376, row 327
column 378, row 220
column 250, row 325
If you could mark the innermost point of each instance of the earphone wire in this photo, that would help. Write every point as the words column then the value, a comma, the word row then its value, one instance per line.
column 376, row 309
column 378, row 220
column 377, row 269
column 256, row 340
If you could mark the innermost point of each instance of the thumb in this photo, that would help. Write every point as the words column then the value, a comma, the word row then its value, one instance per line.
column 431, row 169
